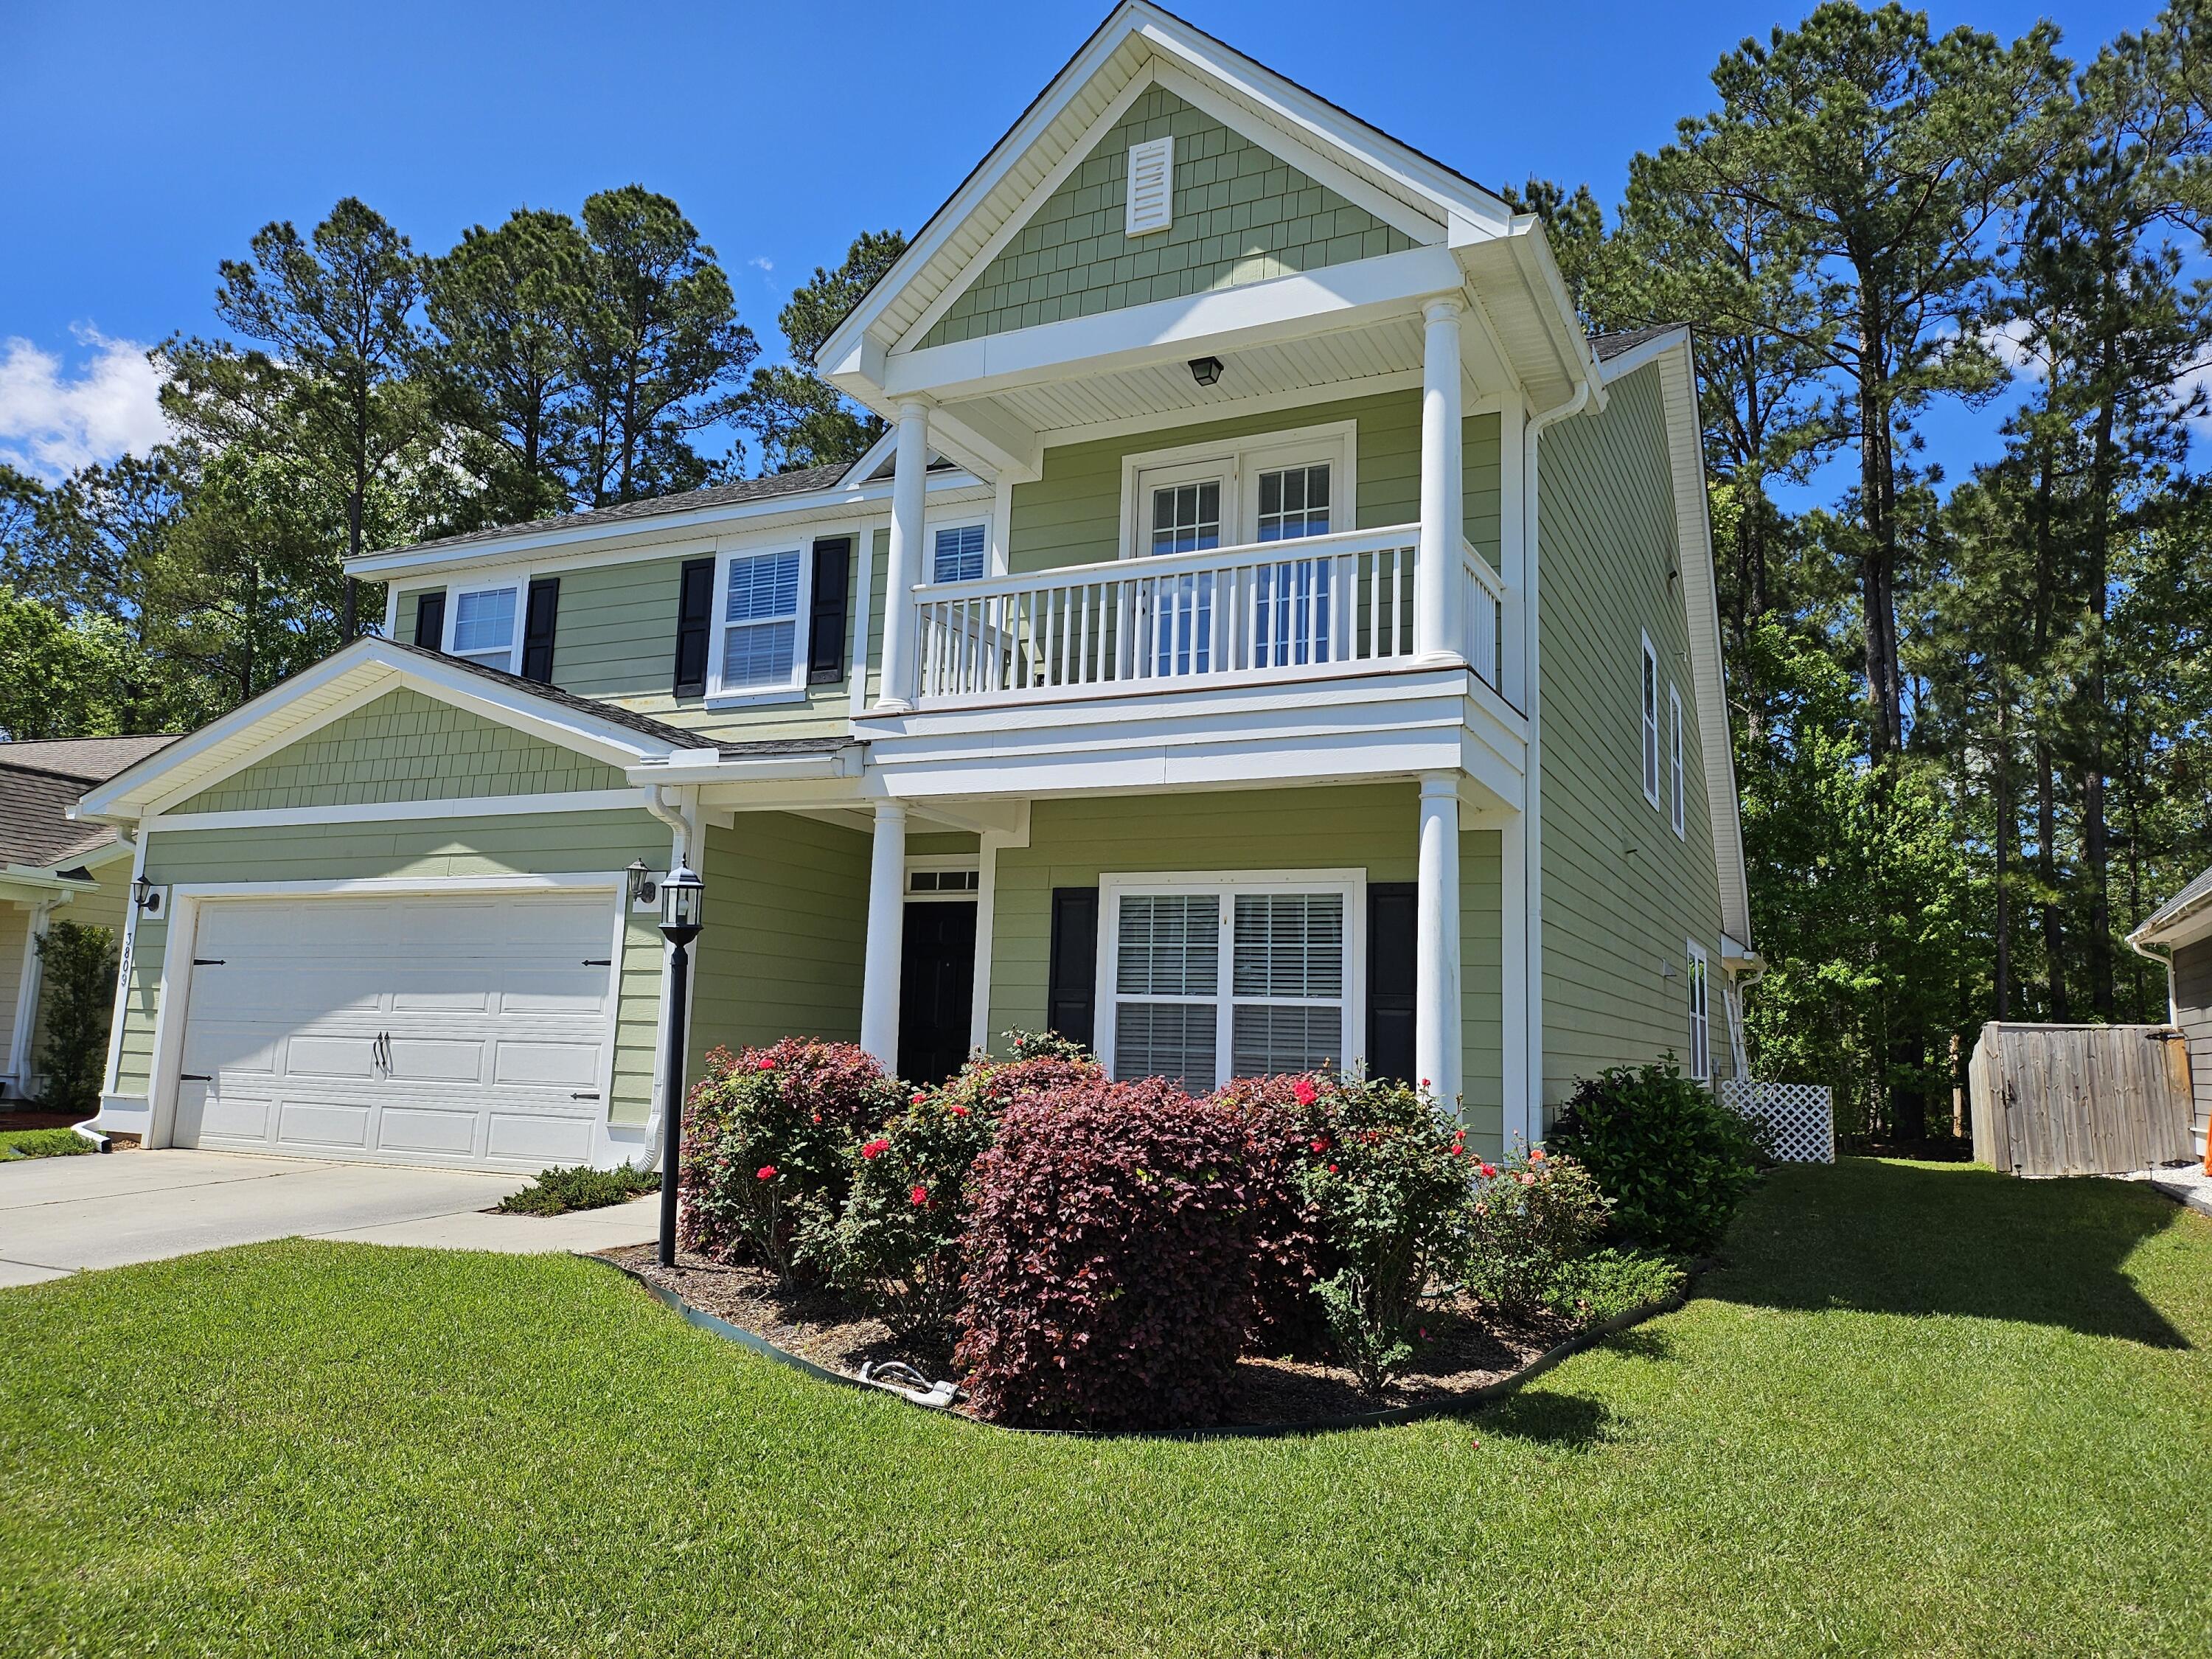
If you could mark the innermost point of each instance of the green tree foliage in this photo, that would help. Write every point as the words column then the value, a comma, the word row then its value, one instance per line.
column 78, row 964
column 60, row 676
column 798, row 418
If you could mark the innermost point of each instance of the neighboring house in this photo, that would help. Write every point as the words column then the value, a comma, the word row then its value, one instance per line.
column 1203, row 665
column 51, row 867
column 2180, row 935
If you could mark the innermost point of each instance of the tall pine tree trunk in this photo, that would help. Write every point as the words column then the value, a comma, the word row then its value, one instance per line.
column 2096, row 848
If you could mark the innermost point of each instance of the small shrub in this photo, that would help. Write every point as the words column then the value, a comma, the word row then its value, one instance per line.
column 78, row 965
column 1388, row 1178
column 1532, row 1215
column 1592, row 1289
column 1283, row 1116
column 764, row 1140
column 1673, row 1159
column 557, row 1191
column 1048, row 1045
column 1109, row 1261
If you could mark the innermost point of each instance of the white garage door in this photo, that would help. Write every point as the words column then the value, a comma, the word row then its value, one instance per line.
column 471, row 1029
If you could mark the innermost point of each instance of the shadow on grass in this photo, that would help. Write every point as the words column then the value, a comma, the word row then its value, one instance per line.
column 1570, row 1420
column 1907, row 1238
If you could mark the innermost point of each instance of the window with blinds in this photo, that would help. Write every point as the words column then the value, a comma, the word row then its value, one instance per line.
column 759, row 615
column 959, row 554
column 1283, row 1004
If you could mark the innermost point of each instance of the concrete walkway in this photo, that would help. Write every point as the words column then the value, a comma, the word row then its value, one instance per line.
column 61, row 1215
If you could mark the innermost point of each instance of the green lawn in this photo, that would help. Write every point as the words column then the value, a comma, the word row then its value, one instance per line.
column 1925, row 1410
column 43, row 1143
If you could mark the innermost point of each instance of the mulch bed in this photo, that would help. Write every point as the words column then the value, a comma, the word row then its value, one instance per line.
column 32, row 1118
column 1471, row 1349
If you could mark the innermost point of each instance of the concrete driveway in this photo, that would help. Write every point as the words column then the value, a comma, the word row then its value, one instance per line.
column 61, row 1215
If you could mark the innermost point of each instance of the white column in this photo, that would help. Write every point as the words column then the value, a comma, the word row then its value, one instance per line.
column 1436, row 579
column 909, row 472
column 1518, row 1073
column 880, row 974
column 1436, row 962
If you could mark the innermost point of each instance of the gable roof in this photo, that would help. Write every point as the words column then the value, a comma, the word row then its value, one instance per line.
column 2167, row 920
column 41, row 781
column 365, row 669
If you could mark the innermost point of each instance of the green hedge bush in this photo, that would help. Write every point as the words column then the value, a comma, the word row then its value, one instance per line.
column 1674, row 1162
column 579, row 1187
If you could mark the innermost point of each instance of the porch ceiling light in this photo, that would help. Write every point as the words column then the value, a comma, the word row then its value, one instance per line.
column 1206, row 370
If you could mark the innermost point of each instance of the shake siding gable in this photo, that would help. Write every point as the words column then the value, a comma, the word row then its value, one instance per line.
column 1614, row 917
column 1241, row 215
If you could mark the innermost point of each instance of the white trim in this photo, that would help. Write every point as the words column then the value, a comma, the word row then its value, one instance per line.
column 1231, row 409
column 727, row 552
column 864, row 599
column 109, row 1077
column 385, row 812
column 1240, row 460
column 559, row 880
column 21, row 1060
column 1148, row 194
column 1352, row 884
column 987, row 912
column 1698, row 982
column 1675, row 761
column 1650, row 757
column 503, row 580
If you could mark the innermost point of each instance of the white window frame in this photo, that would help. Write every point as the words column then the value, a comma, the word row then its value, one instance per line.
column 933, row 528
column 938, row 864
column 1238, row 463
column 1732, row 1004
column 1699, row 978
column 1647, row 702
column 727, row 555
column 1351, row 883
column 519, row 583
column 1674, row 748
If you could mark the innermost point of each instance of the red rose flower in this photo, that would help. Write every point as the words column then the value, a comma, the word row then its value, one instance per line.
column 1332, row 1168
column 877, row 1146
column 1303, row 1092
column 764, row 1065
column 1536, row 1155
column 915, row 1099
column 1486, row 1171
column 1320, row 1144
column 766, row 1172
column 920, row 1196
column 958, row 1111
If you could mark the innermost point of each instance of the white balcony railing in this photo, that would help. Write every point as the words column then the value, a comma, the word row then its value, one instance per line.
column 1271, row 610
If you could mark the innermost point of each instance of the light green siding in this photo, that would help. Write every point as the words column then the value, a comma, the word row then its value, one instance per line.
column 586, row 842
column 405, row 746
column 403, row 613
column 1240, row 215
column 1073, row 514
column 1621, row 892
column 1370, row 827
column 614, row 638
column 786, row 925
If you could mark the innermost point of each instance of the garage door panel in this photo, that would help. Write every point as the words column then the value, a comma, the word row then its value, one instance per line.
column 431, row 1028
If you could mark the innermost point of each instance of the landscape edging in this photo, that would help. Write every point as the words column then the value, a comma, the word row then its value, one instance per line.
column 1490, row 1392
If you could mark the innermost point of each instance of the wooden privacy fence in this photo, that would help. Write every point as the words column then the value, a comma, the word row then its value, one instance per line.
column 2061, row 1100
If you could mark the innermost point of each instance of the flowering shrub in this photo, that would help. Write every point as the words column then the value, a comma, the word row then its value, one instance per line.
column 1387, row 1174
column 1108, row 1261
column 1673, row 1159
column 1531, row 1216
column 764, row 1137
column 1285, row 1119
column 1047, row 1045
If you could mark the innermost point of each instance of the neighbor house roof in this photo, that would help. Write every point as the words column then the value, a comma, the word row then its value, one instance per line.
column 41, row 780
column 2178, row 909
column 1607, row 346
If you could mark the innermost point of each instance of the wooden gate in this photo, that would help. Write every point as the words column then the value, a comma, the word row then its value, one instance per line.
column 2062, row 1100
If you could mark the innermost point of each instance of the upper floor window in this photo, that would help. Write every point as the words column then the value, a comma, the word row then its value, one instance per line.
column 1650, row 696
column 1186, row 517
column 1674, row 749
column 1294, row 503
column 760, row 621
column 958, row 555
column 1701, row 1046
column 1276, row 486
column 484, row 625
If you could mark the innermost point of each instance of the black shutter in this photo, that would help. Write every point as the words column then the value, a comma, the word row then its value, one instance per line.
column 695, row 615
column 430, row 621
column 1391, row 913
column 825, row 627
column 538, row 622
column 1071, row 1006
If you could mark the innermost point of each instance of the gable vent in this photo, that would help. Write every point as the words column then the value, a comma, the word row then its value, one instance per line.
column 1151, row 186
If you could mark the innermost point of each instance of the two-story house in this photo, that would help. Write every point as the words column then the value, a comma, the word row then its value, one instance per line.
column 1270, row 635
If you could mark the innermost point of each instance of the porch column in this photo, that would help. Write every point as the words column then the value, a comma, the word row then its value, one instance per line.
column 1436, row 579
column 1435, row 961
column 1519, row 1074
column 910, row 471
column 879, row 973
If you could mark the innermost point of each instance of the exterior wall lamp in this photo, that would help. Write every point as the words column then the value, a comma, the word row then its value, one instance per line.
column 148, row 898
column 682, row 905
column 1206, row 370
column 642, row 889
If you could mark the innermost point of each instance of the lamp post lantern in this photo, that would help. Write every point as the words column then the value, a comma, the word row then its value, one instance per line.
column 683, row 901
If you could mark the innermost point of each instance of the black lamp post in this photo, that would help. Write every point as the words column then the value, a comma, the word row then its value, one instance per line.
column 683, row 900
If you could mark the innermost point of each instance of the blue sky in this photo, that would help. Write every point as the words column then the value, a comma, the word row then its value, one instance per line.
column 146, row 142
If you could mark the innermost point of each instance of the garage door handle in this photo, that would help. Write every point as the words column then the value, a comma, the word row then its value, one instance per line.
column 594, row 1095
column 208, row 961
column 194, row 1077
column 599, row 961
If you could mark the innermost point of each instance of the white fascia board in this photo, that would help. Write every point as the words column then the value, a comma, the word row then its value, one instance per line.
column 387, row 811
column 681, row 769
column 879, row 455
column 1678, row 379
column 1650, row 351
column 2185, row 928
column 1169, row 331
column 25, row 882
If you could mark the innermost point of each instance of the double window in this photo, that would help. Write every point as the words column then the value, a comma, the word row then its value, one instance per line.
column 1207, row 978
column 1701, row 1044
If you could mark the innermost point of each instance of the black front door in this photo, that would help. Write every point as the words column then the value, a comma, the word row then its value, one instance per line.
column 937, row 990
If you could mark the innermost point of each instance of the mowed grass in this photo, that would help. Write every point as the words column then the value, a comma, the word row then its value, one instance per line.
column 1923, row 1409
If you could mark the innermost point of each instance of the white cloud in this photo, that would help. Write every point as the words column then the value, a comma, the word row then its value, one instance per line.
column 762, row 263
column 2010, row 342
column 53, row 420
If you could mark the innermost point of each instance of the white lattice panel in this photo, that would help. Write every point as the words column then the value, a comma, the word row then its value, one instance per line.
column 1800, row 1117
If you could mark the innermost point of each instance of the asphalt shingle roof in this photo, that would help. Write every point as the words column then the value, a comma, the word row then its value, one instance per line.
column 1609, row 346
column 2188, row 899
column 41, row 780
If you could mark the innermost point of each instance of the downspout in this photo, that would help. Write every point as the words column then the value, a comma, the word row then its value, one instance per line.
column 134, row 838
column 1532, row 789
column 667, row 803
